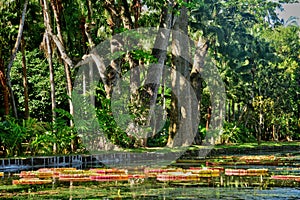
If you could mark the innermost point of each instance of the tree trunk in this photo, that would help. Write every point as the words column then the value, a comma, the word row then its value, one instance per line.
column 239, row 110
column 119, row 14
column 208, row 118
column 12, row 58
column 55, row 6
column 298, row 106
column 25, row 82
column 180, row 115
column 233, row 112
column 47, row 24
column 160, row 53
column 229, row 111
column 274, row 134
column 174, row 116
column 86, row 23
column 83, row 34
column 137, row 9
column 115, row 22
column 196, row 79
column 4, row 88
column 125, row 15
column 135, row 81
column 259, row 133
column 52, row 85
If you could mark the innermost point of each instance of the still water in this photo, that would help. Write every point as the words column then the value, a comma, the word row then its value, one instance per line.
column 143, row 189
column 225, row 186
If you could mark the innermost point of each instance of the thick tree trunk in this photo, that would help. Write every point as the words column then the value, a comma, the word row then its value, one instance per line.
column 160, row 53
column 180, row 115
column 25, row 82
column 12, row 58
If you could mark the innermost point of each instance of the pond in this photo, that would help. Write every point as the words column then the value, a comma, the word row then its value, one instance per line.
column 218, row 177
column 144, row 190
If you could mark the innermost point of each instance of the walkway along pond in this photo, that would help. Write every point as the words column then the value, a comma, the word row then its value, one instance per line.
column 86, row 161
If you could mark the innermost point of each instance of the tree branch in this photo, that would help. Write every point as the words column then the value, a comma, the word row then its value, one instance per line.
column 13, row 56
column 61, row 49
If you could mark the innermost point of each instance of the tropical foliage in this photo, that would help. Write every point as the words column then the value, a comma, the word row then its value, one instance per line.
column 257, row 56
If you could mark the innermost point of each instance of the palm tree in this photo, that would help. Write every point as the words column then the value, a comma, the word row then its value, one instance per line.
column 292, row 21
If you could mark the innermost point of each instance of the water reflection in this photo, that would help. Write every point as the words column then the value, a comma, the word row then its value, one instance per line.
column 229, row 178
column 218, row 193
column 151, row 189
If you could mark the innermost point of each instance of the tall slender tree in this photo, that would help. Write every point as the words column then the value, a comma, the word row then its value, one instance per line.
column 12, row 58
column 25, row 81
column 47, row 41
column 57, row 10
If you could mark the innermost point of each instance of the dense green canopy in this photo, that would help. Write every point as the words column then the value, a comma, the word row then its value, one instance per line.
column 256, row 53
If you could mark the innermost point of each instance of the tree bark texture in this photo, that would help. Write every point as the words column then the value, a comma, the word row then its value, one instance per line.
column 180, row 114
column 160, row 53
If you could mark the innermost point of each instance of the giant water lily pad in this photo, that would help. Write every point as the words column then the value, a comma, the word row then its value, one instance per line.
column 31, row 181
